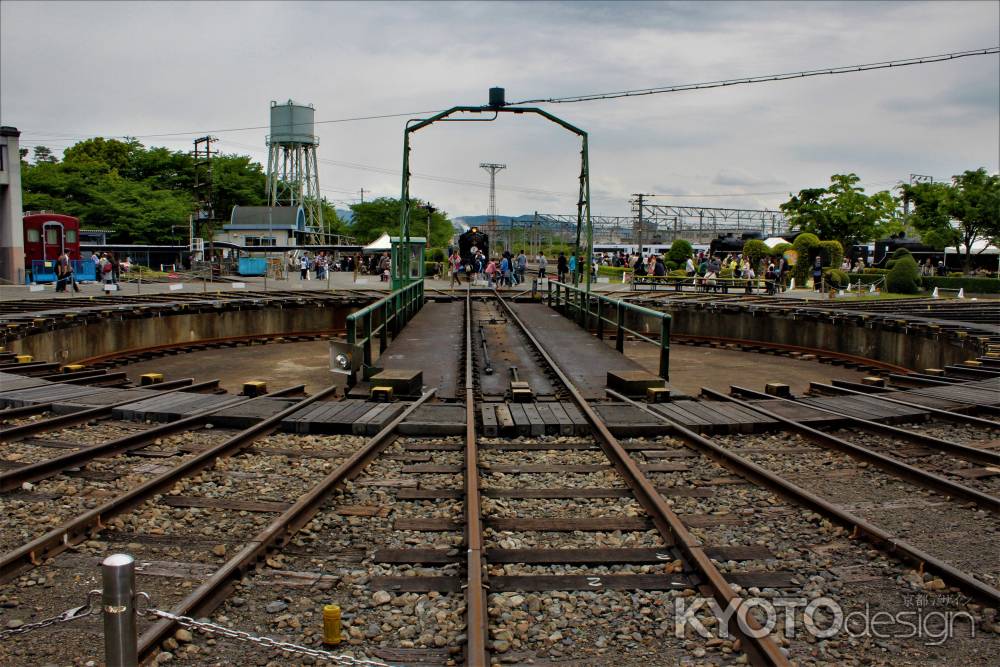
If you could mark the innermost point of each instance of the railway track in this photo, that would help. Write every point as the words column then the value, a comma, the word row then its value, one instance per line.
column 503, row 550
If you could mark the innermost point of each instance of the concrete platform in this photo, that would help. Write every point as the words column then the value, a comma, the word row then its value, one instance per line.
column 433, row 344
column 584, row 358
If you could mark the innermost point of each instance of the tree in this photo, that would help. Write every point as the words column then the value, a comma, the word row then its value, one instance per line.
column 43, row 154
column 959, row 213
column 755, row 250
column 842, row 212
column 679, row 253
column 381, row 216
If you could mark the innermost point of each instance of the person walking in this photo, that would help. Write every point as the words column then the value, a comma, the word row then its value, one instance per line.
column 96, row 259
column 562, row 267
column 522, row 265
column 817, row 274
column 572, row 268
column 491, row 269
column 66, row 274
column 505, row 271
column 542, row 263
column 455, row 264
column 304, row 267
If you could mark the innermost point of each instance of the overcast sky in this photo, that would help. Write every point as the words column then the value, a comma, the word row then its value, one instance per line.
column 69, row 70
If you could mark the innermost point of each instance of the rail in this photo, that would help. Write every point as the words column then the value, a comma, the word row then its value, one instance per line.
column 577, row 304
column 387, row 315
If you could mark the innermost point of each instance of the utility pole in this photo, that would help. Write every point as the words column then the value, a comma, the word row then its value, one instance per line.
column 637, row 208
column 430, row 210
column 363, row 195
column 491, row 224
column 203, row 191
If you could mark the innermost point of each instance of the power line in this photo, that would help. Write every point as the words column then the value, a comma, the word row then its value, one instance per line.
column 848, row 69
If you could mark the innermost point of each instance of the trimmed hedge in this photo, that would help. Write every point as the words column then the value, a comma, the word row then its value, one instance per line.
column 836, row 278
column 975, row 285
column 864, row 278
column 612, row 270
column 904, row 276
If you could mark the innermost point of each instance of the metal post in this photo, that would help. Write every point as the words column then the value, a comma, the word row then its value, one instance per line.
column 550, row 293
column 118, row 605
column 665, row 348
column 620, row 333
column 383, row 342
column 600, row 321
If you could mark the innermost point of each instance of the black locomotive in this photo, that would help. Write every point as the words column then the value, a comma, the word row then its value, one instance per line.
column 473, row 239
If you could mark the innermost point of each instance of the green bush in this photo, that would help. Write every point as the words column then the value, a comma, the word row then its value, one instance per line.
column 755, row 250
column 904, row 276
column 671, row 266
column 864, row 278
column 832, row 253
column 612, row 271
column 974, row 285
column 680, row 251
column 875, row 272
column 781, row 249
column 836, row 278
column 805, row 247
column 678, row 273
column 436, row 255
column 900, row 252
column 430, row 269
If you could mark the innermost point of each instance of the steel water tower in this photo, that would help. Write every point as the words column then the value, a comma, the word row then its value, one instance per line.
column 292, row 172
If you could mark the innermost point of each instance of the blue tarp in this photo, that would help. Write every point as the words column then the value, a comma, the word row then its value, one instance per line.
column 252, row 266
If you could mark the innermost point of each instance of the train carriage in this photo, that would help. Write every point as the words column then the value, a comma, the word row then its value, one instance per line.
column 46, row 236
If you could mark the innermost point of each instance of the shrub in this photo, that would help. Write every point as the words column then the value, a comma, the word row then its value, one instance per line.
column 436, row 255
column 836, row 278
column 612, row 270
column 864, row 278
column 671, row 265
column 679, row 252
column 780, row 249
column 832, row 253
column 973, row 285
column 430, row 269
column 678, row 273
column 875, row 272
column 755, row 250
column 904, row 276
column 805, row 246
column 899, row 253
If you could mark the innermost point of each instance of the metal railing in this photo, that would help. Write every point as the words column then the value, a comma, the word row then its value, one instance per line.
column 585, row 309
column 384, row 317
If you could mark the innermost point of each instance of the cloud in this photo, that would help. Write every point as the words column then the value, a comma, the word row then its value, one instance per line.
column 741, row 178
column 141, row 69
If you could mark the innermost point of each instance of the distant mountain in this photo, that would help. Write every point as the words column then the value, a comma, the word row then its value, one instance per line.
column 345, row 214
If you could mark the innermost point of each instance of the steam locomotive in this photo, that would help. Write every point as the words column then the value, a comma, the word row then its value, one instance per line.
column 473, row 239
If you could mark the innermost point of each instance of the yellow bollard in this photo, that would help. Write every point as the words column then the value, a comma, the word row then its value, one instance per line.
column 331, row 625
column 24, row 358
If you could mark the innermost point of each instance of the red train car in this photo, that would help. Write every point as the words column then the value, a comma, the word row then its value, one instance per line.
column 46, row 235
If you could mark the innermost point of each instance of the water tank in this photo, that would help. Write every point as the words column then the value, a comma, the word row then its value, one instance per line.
column 292, row 123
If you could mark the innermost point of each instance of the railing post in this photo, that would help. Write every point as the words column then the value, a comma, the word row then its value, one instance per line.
column 384, row 331
column 600, row 321
column 620, row 334
column 550, row 294
column 368, row 338
column 665, row 347
column 118, row 606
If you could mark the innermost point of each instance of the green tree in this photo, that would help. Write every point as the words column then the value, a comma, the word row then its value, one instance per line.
column 43, row 154
column 680, row 251
column 842, row 211
column 959, row 213
column 381, row 216
column 755, row 250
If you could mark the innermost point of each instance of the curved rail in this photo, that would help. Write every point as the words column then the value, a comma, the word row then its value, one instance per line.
column 62, row 537
column 859, row 526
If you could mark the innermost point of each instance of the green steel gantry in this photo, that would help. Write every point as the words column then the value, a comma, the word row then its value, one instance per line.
column 401, row 270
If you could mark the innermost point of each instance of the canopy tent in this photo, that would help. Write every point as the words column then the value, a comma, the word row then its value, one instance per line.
column 979, row 247
column 774, row 241
column 381, row 244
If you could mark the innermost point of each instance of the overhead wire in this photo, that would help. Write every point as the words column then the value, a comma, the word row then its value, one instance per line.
column 764, row 78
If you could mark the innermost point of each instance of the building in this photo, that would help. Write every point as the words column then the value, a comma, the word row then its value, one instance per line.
column 264, row 226
column 11, row 214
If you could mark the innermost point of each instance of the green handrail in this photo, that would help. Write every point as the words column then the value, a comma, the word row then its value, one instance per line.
column 576, row 303
column 384, row 317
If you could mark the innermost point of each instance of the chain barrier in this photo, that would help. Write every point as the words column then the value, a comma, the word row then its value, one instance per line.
column 71, row 614
column 267, row 642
